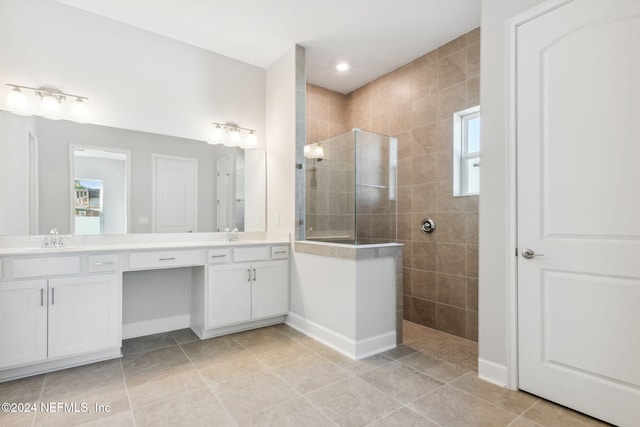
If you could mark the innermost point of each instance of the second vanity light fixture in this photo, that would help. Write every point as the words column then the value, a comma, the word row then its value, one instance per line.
column 314, row 151
column 50, row 103
column 231, row 135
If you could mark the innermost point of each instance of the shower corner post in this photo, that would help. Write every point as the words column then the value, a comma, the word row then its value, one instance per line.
column 301, row 136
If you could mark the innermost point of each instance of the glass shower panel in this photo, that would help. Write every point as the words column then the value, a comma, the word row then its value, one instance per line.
column 330, row 197
column 376, row 168
column 351, row 189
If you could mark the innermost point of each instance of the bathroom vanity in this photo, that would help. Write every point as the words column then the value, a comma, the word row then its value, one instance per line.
column 62, row 307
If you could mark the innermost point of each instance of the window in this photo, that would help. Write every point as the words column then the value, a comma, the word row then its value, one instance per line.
column 466, row 152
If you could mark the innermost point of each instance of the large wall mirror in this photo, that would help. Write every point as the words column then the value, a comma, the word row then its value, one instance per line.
column 90, row 179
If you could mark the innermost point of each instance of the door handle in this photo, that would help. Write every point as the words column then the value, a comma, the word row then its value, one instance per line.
column 249, row 271
column 529, row 254
column 254, row 274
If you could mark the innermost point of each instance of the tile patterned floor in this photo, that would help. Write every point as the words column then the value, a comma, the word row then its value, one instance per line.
column 276, row 376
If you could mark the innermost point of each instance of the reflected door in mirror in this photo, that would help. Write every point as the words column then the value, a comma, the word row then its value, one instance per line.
column 175, row 206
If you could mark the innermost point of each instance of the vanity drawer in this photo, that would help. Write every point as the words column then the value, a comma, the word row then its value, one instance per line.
column 45, row 266
column 219, row 256
column 279, row 252
column 251, row 254
column 110, row 262
column 165, row 259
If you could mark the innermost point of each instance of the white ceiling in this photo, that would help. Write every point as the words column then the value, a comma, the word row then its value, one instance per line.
column 373, row 36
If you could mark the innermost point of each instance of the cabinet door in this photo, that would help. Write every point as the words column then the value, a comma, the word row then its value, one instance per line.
column 228, row 294
column 23, row 322
column 270, row 294
column 85, row 314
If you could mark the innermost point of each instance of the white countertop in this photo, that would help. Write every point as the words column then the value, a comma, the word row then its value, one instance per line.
column 80, row 244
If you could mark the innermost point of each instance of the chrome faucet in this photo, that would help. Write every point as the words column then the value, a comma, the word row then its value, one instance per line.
column 53, row 240
column 232, row 235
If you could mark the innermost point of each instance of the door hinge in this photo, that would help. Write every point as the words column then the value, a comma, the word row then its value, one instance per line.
column 516, row 251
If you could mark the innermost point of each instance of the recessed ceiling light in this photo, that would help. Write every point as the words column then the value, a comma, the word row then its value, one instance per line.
column 342, row 66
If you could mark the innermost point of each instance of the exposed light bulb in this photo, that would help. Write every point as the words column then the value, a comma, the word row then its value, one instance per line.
column 17, row 102
column 79, row 110
column 251, row 141
column 217, row 135
column 342, row 66
column 50, row 107
column 235, row 136
column 314, row 151
column 318, row 152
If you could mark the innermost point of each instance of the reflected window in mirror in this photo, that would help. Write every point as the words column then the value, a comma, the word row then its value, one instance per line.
column 100, row 190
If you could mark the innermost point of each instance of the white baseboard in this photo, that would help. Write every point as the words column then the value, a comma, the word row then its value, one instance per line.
column 493, row 372
column 155, row 326
column 374, row 345
column 58, row 364
column 340, row 343
column 245, row 326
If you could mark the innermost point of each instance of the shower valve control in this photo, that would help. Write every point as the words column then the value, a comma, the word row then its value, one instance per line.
column 427, row 225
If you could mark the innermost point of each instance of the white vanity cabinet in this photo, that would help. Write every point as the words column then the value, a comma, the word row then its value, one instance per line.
column 23, row 322
column 270, row 289
column 228, row 294
column 84, row 314
column 55, row 317
column 247, row 291
column 244, row 288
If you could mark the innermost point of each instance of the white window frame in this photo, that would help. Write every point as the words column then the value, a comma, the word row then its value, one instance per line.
column 461, row 153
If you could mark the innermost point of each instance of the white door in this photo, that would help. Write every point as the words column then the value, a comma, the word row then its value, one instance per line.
column 229, row 294
column 226, row 193
column 23, row 322
column 270, row 293
column 578, row 174
column 84, row 314
column 175, row 188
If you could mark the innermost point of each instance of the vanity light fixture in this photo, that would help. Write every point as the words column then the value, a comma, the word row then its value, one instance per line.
column 79, row 110
column 50, row 103
column 233, row 135
column 314, row 151
column 17, row 102
column 251, row 141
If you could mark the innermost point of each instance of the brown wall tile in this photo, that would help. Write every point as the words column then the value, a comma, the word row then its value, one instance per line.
column 452, row 290
column 472, row 294
column 451, row 319
column 452, row 259
column 452, row 69
column 424, row 256
column 424, row 284
column 423, row 312
column 472, row 325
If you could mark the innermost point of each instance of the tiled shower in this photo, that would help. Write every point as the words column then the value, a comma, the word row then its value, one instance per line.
column 415, row 104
